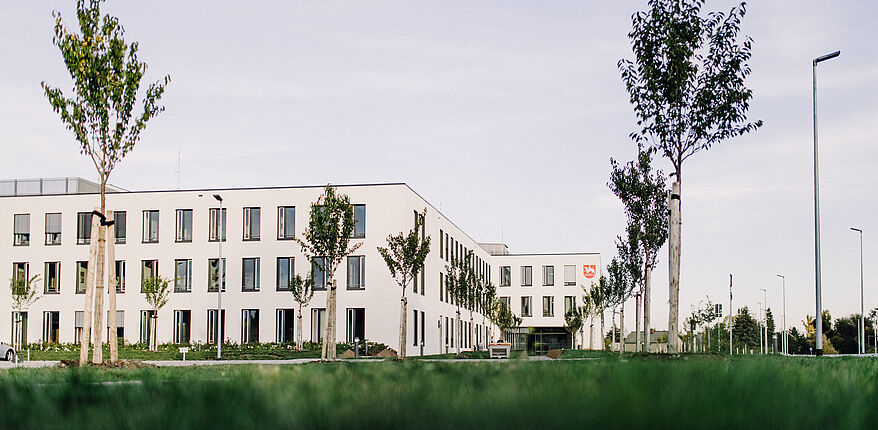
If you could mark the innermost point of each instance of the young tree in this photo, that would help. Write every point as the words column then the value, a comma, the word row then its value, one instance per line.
column 458, row 282
column 489, row 303
column 24, row 293
column 686, row 83
column 573, row 321
column 629, row 274
column 303, row 291
column 327, row 239
column 506, row 322
column 156, row 289
column 599, row 297
column 106, row 73
column 404, row 257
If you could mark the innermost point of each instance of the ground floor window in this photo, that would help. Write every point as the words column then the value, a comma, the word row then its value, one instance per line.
column 77, row 326
column 212, row 325
column 19, row 328
column 356, row 324
column 285, row 324
column 51, row 326
column 182, row 326
column 249, row 325
column 318, row 324
column 147, row 324
column 120, row 326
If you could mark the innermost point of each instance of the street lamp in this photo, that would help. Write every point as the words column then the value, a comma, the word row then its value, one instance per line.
column 819, row 316
column 221, row 269
column 759, row 323
column 784, row 346
column 862, row 333
column 765, row 319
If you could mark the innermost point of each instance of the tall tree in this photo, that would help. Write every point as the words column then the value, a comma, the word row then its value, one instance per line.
column 156, row 290
column 327, row 242
column 404, row 257
column 106, row 73
column 686, row 83
column 303, row 291
column 625, row 274
column 24, row 293
column 644, row 192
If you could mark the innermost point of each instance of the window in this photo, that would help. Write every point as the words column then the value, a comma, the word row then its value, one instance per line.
column 548, row 275
column 214, row 275
column 441, row 244
column 120, row 326
column 150, row 226
column 359, row 221
column 318, row 274
column 526, row 306
column 414, row 327
column 569, row 275
column 505, row 276
column 356, row 272
column 81, row 276
column 77, row 326
column 120, row 229
column 182, row 326
column 182, row 276
column 51, row 326
column 286, row 222
column 526, row 276
column 548, row 306
column 251, row 223
column 504, row 302
column 22, row 230
column 423, row 327
column 285, row 323
column 184, row 225
column 212, row 325
column 250, row 326
column 250, row 277
column 83, row 228
column 53, row 229
column 318, row 324
column 147, row 323
column 217, row 225
column 569, row 304
column 120, row 276
column 52, row 282
column 148, row 269
column 356, row 324
column 285, row 272
column 19, row 327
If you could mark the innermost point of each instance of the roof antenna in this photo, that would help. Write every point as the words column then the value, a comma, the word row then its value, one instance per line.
column 179, row 170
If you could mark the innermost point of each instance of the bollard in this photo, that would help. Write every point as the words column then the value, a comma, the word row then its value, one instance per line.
column 422, row 348
column 356, row 347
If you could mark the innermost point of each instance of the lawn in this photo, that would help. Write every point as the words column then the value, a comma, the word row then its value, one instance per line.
column 632, row 392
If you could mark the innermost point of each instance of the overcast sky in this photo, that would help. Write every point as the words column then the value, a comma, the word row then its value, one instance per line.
column 503, row 113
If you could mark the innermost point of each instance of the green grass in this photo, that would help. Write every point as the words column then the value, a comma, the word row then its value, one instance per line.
column 659, row 392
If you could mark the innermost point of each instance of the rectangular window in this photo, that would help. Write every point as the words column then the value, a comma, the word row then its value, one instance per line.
column 251, row 223
column 83, row 228
column 217, row 225
column 81, row 276
column 52, row 278
column 569, row 303
column 526, row 276
column 423, row 327
column 250, row 274
column 548, row 306
column 285, row 323
column 250, row 326
column 286, row 222
column 548, row 275
column 356, row 324
column 147, row 322
column 120, row 326
column 120, row 228
column 148, row 269
column 120, row 276
column 51, row 326
column 150, row 226
column 53, row 229
column 569, row 275
column 441, row 244
column 77, row 326
column 212, row 325
column 214, row 275
column 182, row 326
column 182, row 276
column 356, row 272
column 504, row 303
column 359, row 221
column 414, row 327
column 318, row 324
column 22, row 230
column 505, row 276
column 19, row 320
column 318, row 274
column 184, row 225
column 526, row 306
column 285, row 271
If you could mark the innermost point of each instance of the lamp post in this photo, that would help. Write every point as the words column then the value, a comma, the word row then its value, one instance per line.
column 759, row 324
column 819, row 317
column 862, row 333
column 784, row 346
column 731, row 315
column 765, row 319
column 221, row 268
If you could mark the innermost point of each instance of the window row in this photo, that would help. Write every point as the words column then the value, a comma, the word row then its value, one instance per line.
column 526, row 309
column 468, row 333
column 526, row 279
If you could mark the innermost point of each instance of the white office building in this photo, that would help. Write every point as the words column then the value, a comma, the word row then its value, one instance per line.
column 45, row 231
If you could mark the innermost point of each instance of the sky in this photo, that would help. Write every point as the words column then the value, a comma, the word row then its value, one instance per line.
column 504, row 114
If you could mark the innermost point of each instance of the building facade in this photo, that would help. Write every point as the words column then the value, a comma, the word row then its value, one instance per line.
column 177, row 234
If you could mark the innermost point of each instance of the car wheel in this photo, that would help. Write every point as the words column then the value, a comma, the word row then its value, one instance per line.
column 10, row 355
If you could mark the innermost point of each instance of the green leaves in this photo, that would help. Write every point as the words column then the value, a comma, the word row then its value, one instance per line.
column 24, row 291
column 405, row 253
column 157, row 290
column 302, row 289
column 329, row 230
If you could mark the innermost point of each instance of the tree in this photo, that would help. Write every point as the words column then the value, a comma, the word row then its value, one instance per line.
column 588, row 311
column 506, row 322
column 404, row 257
column 644, row 193
column 24, row 293
column 599, row 296
column 457, row 281
column 573, row 321
column 628, row 274
column 746, row 330
column 327, row 242
column 157, row 289
column 106, row 73
column 490, row 302
column 686, row 84
column 303, row 291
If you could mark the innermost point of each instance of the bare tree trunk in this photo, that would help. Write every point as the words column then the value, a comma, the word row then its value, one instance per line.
column 674, row 269
column 646, row 302
column 85, row 337
column 603, row 344
column 457, row 341
column 323, row 348
column 403, row 323
column 637, row 332
column 111, row 280
column 299, row 330
column 591, row 334
column 329, row 332
column 153, row 342
column 621, row 328
column 98, row 352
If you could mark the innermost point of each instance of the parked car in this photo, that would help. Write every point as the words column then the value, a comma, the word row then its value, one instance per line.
column 7, row 352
